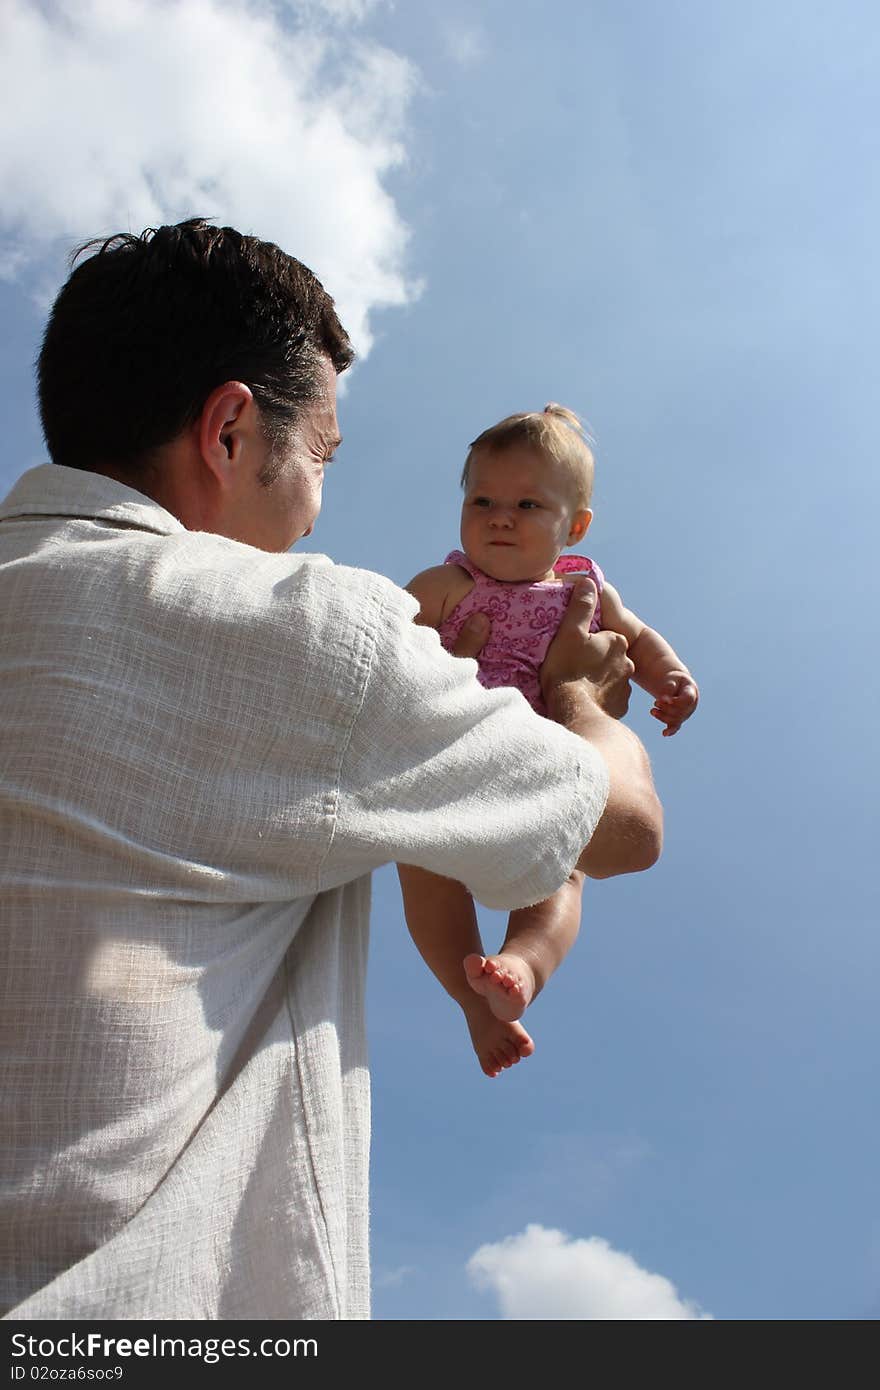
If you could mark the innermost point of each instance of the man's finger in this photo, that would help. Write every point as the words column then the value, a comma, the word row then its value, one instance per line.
column 585, row 591
column 473, row 636
column 582, row 604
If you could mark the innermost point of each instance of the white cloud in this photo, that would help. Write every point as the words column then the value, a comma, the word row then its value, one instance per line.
column 343, row 11
column 135, row 112
column 545, row 1275
column 390, row 1278
column 465, row 43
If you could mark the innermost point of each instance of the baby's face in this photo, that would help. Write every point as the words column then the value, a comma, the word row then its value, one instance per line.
column 519, row 513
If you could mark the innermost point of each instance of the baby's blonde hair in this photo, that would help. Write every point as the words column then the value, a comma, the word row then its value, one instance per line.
column 554, row 431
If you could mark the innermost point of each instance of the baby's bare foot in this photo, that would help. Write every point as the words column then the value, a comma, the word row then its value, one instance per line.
column 506, row 982
column 497, row 1044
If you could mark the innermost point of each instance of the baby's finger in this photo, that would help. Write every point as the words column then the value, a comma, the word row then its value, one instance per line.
column 672, row 724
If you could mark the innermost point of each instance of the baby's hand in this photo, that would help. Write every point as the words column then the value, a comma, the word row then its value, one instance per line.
column 676, row 702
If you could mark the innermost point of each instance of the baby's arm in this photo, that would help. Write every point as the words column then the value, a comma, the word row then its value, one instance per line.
column 439, row 590
column 658, row 669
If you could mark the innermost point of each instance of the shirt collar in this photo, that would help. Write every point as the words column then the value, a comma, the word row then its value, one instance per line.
column 52, row 490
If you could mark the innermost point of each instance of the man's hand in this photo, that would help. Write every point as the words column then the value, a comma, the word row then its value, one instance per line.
column 473, row 636
column 676, row 701
column 599, row 658
column 586, row 684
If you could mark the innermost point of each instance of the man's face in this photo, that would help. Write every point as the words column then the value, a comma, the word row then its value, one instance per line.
column 283, row 511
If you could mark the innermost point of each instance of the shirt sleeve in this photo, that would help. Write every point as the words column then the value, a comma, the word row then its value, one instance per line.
column 464, row 782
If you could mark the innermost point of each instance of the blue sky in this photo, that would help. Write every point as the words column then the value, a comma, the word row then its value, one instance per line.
column 665, row 216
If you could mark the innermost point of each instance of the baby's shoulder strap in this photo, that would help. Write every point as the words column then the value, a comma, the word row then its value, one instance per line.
column 458, row 557
column 580, row 564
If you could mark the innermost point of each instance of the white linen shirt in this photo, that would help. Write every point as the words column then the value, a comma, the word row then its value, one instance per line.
column 204, row 750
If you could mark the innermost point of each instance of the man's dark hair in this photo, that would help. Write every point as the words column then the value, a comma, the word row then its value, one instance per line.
column 147, row 326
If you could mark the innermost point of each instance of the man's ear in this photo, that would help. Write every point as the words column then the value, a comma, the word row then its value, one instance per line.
column 580, row 525
column 226, row 420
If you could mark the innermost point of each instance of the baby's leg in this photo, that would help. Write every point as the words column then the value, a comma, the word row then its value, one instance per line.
column 538, row 940
column 442, row 921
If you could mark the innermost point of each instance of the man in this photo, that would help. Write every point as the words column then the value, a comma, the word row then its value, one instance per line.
column 207, row 744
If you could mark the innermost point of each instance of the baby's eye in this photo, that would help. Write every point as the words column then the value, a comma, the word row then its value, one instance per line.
column 527, row 503
column 479, row 502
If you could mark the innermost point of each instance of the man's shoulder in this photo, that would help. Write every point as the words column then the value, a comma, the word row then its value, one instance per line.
column 261, row 571
column 231, row 581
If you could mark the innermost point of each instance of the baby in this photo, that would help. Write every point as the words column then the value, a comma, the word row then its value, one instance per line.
column 527, row 484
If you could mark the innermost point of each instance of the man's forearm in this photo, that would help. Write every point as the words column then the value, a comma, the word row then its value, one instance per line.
column 629, row 836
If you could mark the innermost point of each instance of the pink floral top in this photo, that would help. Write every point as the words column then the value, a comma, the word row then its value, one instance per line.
column 524, row 620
